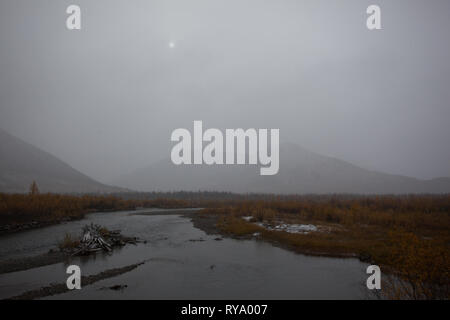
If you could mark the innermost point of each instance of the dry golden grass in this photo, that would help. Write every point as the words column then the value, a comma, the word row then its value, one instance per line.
column 16, row 209
column 68, row 242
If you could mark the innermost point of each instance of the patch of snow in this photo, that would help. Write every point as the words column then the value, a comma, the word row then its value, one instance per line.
column 291, row 228
column 298, row 228
column 286, row 227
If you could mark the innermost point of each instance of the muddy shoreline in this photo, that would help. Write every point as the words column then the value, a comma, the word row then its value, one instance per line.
column 15, row 228
column 10, row 229
column 55, row 256
column 60, row 288
column 208, row 224
column 21, row 264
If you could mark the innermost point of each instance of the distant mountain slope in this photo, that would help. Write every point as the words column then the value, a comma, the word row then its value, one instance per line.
column 301, row 171
column 21, row 163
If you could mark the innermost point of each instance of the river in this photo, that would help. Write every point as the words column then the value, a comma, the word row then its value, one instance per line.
column 182, row 262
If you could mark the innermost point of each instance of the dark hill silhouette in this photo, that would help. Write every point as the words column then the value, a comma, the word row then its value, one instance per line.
column 21, row 164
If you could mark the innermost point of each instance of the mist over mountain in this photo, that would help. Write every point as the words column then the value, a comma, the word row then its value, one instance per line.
column 21, row 164
column 301, row 171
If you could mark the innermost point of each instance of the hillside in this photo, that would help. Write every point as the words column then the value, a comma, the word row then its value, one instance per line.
column 21, row 164
column 301, row 171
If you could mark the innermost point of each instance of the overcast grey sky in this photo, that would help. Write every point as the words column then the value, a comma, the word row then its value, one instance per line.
column 106, row 99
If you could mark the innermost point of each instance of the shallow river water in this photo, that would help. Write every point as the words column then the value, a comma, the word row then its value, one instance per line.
column 179, row 266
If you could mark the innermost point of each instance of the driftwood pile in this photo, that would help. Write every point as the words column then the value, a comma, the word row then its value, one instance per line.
column 96, row 238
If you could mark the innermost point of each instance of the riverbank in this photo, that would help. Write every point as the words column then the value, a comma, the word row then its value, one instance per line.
column 408, row 237
column 60, row 288
column 55, row 255
column 22, row 212
column 26, row 263
column 213, row 224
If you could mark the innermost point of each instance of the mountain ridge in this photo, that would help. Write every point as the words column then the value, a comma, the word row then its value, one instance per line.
column 21, row 163
column 301, row 171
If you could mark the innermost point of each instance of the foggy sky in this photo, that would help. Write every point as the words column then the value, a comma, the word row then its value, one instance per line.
column 106, row 98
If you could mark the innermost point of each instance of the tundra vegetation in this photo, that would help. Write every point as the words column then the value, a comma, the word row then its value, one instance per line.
column 35, row 209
